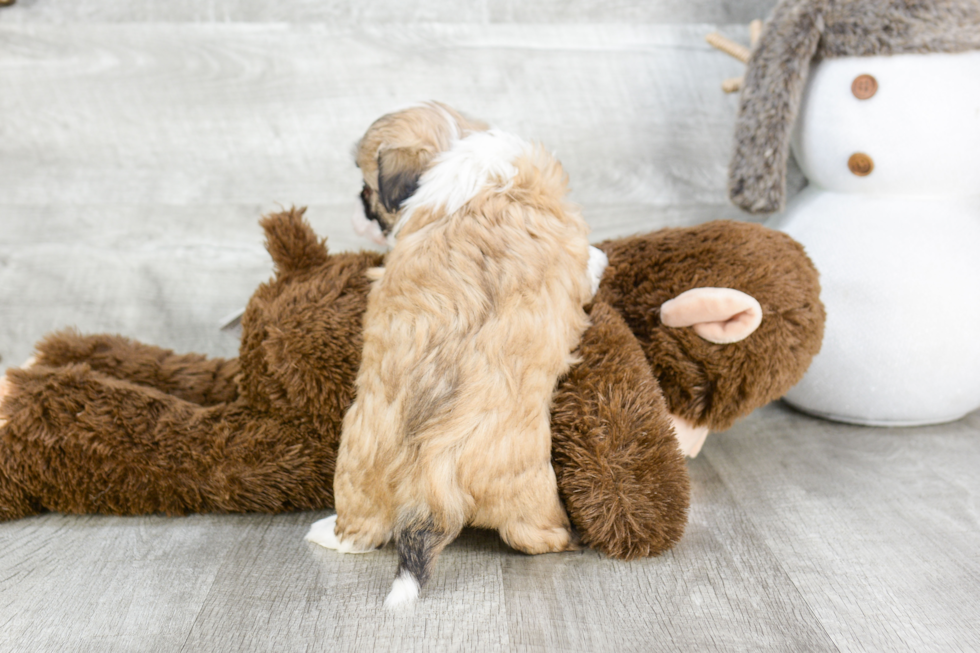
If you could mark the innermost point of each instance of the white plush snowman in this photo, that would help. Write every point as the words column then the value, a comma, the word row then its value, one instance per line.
column 881, row 102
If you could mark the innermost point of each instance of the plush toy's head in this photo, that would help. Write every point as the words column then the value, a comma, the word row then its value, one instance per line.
column 393, row 154
column 796, row 33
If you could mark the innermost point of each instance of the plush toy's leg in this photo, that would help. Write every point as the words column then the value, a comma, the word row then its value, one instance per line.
column 192, row 377
column 78, row 441
column 620, row 470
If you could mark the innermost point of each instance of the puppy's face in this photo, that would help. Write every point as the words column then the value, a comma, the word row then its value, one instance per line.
column 394, row 153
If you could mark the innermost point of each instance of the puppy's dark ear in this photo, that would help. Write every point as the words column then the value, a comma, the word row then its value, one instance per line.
column 398, row 176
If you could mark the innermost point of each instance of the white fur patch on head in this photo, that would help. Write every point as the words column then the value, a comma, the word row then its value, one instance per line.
column 365, row 228
column 598, row 261
column 323, row 533
column 404, row 591
column 458, row 174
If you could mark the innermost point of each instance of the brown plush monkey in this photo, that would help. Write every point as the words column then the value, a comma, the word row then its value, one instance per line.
column 103, row 424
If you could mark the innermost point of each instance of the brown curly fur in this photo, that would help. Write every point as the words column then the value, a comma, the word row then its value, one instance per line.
column 103, row 424
column 106, row 425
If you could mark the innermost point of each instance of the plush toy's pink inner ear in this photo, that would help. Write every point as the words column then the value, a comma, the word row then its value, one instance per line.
column 720, row 315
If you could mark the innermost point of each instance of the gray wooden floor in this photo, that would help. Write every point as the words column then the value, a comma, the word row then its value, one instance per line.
column 140, row 142
column 804, row 536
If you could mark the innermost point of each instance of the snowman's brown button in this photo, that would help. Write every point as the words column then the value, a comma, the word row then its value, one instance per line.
column 860, row 164
column 864, row 86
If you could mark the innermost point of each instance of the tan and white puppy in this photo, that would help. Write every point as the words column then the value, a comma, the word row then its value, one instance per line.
column 394, row 153
column 465, row 336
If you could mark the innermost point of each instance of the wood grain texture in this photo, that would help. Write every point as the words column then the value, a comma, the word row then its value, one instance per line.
column 167, row 275
column 628, row 11
column 318, row 596
column 137, row 158
column 804, row 536
column 389, row 11
column 200, row 114
column 878, row 528
column 720, row 589
column 107, row 584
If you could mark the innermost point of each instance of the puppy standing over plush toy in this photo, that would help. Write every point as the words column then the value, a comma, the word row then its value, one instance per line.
column 466, row 333
column 103, row 424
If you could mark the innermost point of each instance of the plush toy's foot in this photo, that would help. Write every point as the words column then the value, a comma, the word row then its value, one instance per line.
column 323, row 533
column 4, row 389
column 690, row 438
column 14, row 501
column 719, row 315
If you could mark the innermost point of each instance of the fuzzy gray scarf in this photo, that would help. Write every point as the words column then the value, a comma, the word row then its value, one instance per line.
column 800, row 30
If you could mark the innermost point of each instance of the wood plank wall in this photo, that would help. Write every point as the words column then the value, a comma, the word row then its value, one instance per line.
column 141, row 141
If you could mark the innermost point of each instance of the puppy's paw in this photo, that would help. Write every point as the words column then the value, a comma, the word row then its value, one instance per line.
column 323, row 533
column 534, row 540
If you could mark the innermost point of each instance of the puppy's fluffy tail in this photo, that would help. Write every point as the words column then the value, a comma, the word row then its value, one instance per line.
column 419, row 544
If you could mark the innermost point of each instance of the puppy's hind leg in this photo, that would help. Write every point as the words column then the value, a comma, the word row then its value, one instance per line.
column 538, row 523
column 352, row 531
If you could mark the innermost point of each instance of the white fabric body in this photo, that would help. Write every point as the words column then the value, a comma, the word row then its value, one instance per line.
column 898, row 250
column 921, row 128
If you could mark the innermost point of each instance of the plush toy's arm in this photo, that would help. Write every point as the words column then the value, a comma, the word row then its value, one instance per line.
column 620, row 471
column 191, row 377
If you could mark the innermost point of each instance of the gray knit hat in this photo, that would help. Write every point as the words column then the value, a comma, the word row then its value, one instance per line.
column 796, row 32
